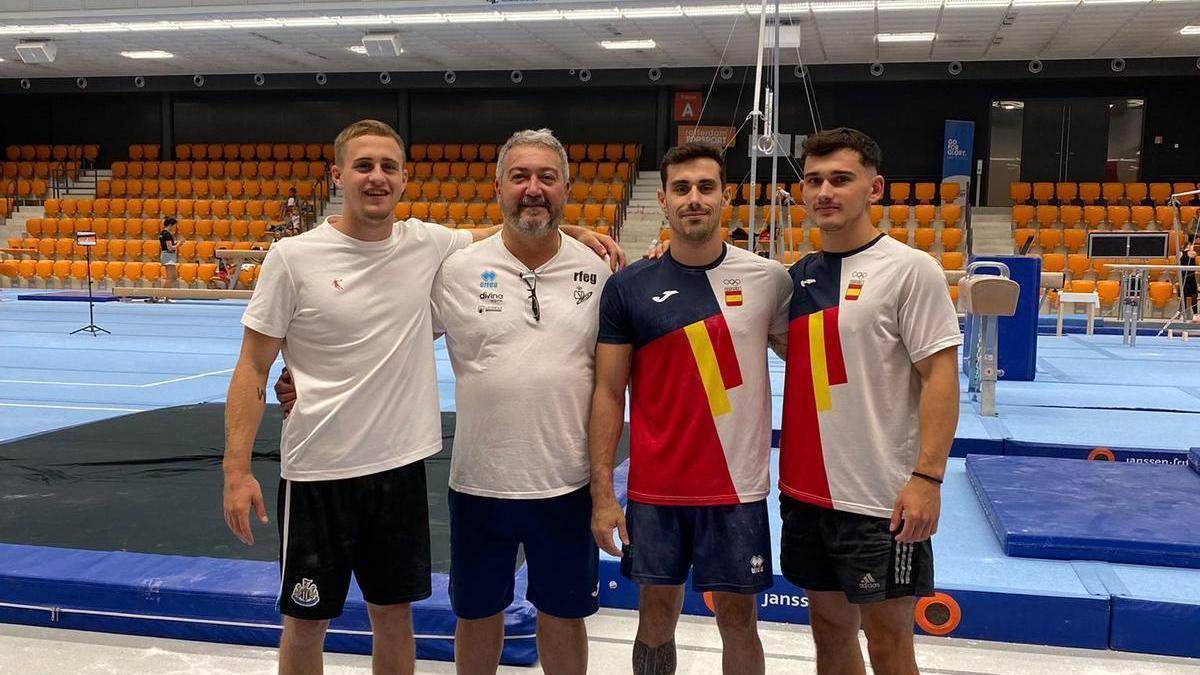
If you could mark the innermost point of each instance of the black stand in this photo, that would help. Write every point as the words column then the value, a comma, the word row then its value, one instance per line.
column 91, row 327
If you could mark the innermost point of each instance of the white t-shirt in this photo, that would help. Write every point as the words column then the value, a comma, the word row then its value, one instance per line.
column 859, row 321
column 523, row 387
column 355, row 315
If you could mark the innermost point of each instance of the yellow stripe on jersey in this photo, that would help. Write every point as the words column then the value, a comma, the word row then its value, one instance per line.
column 816, row 357
column 710, row 370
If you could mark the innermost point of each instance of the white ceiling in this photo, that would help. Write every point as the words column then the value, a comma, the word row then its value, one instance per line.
column 831, row 32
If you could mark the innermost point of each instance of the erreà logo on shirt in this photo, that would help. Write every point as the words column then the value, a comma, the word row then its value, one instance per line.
column 488, row 279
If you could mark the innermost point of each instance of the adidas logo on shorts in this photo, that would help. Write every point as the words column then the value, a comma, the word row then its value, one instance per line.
column 868, row 583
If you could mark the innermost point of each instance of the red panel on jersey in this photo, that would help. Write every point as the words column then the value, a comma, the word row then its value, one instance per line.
column 676, row 456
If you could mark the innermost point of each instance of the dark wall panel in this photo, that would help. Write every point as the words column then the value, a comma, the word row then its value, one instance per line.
column 575, row 116
column 114, row 121
column 299, row 117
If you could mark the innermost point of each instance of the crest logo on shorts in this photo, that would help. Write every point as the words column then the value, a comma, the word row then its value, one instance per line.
column 756, row 564
column 305, row 593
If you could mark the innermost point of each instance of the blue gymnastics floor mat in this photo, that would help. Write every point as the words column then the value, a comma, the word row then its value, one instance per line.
column 1042, row 507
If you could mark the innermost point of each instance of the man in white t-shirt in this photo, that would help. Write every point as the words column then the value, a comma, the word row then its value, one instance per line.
column 519, row 312
column 351, row 299
column 870, row 406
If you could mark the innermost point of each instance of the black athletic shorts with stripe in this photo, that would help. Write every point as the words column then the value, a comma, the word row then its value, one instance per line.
column 374, row 526
column 827, row 550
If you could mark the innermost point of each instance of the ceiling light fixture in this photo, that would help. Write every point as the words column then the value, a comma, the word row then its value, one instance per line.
column 852, row 6
column 408, row 19
column 887, row 5
column 652, row 12
column 591, row 14
column 358, row 49
column 628, row 44
column 549, row 15
column 1190, row 30
column 475, row 17
column 906, row 37
column 148, row 54
column 716, row 10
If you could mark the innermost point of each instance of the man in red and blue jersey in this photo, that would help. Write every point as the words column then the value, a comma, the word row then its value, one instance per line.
column 689, row 333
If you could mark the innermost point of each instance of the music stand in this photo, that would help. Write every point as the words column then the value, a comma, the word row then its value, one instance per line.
column 87, row 240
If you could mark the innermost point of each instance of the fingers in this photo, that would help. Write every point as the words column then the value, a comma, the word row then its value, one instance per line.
column 897, row 513
column 259, row 507
column 621, row 531
column 604, row 540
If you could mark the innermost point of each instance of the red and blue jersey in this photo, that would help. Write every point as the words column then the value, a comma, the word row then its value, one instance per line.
column 700, row 399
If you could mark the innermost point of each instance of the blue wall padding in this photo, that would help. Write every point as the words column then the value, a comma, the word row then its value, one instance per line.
column 1042, row 507
column 208, row 599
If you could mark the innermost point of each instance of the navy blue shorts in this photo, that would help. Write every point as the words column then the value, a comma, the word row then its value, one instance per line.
column 727, row 547
column 560, row 551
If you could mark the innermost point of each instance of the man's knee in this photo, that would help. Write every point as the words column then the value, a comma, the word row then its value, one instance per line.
column 304, row 630
column 660, row 602
column 397, row 617
column 736, row 613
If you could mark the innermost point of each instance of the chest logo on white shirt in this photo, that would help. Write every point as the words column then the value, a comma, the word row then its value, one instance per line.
column 337, row 284
column 664, row 296
column 854, row 290
column 581, row 296
column 488, row 279
column 583, row 277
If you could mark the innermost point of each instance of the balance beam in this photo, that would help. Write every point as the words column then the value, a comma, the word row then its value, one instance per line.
column 184, row 293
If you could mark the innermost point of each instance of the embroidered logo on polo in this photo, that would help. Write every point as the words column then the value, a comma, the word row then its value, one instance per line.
column 488, row 279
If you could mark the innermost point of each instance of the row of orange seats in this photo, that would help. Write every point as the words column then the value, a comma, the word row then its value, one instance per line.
column 137, row 228
column 262, row 152
column 45, row 153
column 470, row 152
column 116, row 272
column 130, row 249
column 490, row 214
column 39, row 169
column 897, row 214
column 1090, row 193
column 180, row 208
column 218, row 169
column 1159, row 293
column 232, row 188
column 607, row 172
column 484, row 191
column 1095, row 217
column 1078, row 264
column 25, row 188
column 899, row 193
column 1049, row 239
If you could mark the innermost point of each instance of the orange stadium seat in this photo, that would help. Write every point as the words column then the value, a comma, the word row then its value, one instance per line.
column 1078, row 265
column 1136, row 193
column 876, row 214
column 899, row 192
column 1066, row 192
column 1089, row 193
column 1043, row 193
column 1070, row 215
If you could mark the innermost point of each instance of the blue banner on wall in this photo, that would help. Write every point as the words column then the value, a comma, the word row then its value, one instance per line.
column 957, row 152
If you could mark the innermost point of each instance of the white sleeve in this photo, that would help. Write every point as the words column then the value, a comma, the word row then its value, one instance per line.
column 783, row 300
column 437, row 302
column 928, row 322
column 273, row 304
column 447, row 240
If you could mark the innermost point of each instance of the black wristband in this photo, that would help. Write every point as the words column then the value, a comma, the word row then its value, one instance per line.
column 926, row 476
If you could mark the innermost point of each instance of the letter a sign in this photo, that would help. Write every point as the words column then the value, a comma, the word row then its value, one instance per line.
column 688, row 105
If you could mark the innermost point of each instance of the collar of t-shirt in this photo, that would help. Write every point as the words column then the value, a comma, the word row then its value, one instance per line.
column 699, row 268
column 855, row 251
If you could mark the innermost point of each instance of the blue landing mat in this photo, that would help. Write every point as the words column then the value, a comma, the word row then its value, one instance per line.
column 209, row 599
column 1042, row 507
column 68, row 296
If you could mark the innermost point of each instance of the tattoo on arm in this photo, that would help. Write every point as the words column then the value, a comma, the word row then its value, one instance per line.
column 262, row 394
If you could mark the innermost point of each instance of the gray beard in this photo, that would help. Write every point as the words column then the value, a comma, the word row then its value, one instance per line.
column 540, row 230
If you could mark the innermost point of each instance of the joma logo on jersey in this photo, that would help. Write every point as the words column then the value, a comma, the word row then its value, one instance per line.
column 585, row 277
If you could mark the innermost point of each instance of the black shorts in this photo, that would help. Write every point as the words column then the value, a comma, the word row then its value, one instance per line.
column 827, row 550
column 376, row 526
column 727, row 547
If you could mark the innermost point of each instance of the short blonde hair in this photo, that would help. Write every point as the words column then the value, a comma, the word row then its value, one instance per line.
column 364, row 128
